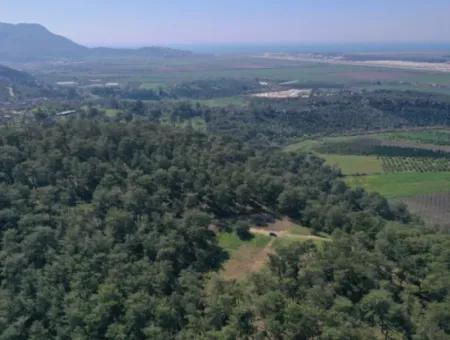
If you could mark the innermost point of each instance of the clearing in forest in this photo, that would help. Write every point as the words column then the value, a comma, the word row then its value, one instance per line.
column 251, row 256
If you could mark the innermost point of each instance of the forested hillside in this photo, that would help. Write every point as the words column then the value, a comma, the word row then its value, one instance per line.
column 105, row 230
column 15, row 84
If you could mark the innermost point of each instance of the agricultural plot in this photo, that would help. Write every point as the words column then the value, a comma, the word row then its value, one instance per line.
column 433, row 208
column 355, row 165
column 402, row 185
column 433, row 136
column 409, row 166
column 151, row 75
column 414, row 164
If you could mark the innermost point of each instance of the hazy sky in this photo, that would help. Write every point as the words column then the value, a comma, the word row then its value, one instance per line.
column 149, row 22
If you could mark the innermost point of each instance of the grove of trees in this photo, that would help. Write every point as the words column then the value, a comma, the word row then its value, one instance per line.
column 107, row 229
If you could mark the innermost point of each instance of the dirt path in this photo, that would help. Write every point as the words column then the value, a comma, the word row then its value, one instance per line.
column 260, row 260
column 284, row 234
column 246, row 260
column 11, row 92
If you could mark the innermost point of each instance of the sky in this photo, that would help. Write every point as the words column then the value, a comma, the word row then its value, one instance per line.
column 165, row 22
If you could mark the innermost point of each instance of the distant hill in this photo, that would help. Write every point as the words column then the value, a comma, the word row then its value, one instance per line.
column 30, row 42
column 144, row 52
column 33, row 42
column 9, row 76
column 16, row 85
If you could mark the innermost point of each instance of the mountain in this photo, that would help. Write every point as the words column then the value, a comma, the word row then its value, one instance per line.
column 33, row 42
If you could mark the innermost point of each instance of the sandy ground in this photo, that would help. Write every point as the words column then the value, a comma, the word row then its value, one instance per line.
column 397, row 64
column 293, row 93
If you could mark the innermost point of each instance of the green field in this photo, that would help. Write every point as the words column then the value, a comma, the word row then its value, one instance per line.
column 431, row 136
column 348, row 164
column 354, row 165
column 401, row 185
column 151, row 75
column 306, row 73
column 231, row 242
column 393, row 177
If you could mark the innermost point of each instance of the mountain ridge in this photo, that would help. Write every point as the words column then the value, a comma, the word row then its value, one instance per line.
column 29, row 42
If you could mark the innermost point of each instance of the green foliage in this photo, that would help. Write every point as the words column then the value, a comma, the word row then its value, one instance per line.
column 356, row 287
column 105, row 226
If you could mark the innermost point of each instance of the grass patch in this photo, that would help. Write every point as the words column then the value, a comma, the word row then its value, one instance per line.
column 289, row 240
column 431, row 136
column 231, row 242
column 251, row 256
column 307, row 145
column 111, row 112
column 402, row 185
column 352, row 165
column 299, row 230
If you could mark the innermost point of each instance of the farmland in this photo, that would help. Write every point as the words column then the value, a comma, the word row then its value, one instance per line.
column 412, row 166
column 402, row 185
column 302, row 74
column 434, row 208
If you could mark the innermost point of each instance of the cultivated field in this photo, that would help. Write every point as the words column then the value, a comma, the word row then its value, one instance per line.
column 411, row 166
column 302, row 74
column 403, row 185
column 434, row 208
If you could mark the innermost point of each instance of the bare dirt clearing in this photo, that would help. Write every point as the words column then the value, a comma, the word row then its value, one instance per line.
column 251, row 257
column 247, row 260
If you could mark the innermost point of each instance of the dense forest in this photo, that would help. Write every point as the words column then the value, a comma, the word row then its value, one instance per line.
column 108, row 232
column 279, row 121
column 199, row 89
